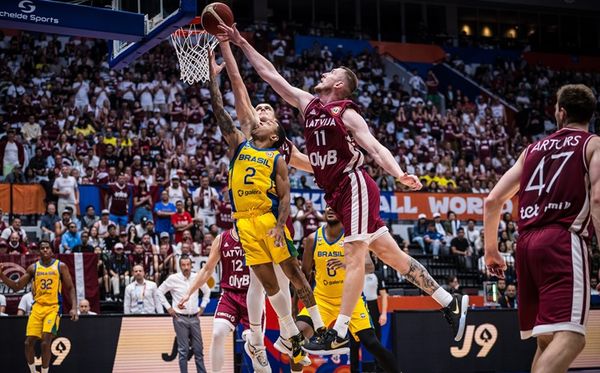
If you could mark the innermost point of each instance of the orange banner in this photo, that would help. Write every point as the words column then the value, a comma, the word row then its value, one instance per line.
column 27, row 199
column 467, row 206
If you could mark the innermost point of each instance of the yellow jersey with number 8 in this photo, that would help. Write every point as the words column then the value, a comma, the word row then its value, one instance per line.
column 329, row 283
column 252, row 181
column 46, row 284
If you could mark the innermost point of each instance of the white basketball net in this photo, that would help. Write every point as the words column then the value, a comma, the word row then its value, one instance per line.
column 192, row 47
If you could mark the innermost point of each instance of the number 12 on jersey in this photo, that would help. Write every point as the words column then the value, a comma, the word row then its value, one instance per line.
column 537, row 180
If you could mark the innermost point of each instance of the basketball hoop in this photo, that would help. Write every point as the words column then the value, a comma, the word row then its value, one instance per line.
column 192, row 46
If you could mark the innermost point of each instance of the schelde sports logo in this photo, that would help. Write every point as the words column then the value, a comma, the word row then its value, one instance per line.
column 27, row 6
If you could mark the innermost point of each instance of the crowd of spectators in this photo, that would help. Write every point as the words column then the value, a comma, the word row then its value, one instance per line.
column 67, row 120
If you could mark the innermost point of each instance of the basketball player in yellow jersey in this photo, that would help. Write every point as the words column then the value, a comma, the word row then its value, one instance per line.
column 324, row 250
column 48, row 275
column 260, row 198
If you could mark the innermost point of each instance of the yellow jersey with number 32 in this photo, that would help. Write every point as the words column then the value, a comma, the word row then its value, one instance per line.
column 329, row 283
column 252, row 181
column 46, row 284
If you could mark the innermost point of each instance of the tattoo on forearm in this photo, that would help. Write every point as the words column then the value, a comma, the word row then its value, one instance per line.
column 418, row 275
column 223, row 119
column 306, row 296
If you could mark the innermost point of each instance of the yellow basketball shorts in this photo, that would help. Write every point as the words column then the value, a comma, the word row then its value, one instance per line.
column 258, row 245
column 43, row 319
column 360, row 319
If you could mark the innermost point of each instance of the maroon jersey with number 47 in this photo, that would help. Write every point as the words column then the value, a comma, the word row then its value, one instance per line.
column 555, row 187
column 234, row 272
column 331, row 148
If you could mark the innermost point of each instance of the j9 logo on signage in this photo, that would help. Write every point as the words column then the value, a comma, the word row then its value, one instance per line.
column 485, row 336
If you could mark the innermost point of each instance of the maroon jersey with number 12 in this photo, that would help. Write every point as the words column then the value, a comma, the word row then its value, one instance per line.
column 331, row 149
column 555, row 187
column 234, row 272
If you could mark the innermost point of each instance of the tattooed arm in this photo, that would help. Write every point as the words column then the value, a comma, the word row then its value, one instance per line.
column 418, row 275
column 232, row 135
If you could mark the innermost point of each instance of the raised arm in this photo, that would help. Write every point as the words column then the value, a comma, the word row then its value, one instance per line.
column 308, row 258
column 300, row 160
column 504, row 190
column 292, row 95
column 282, row 183
column 23, row 280
column 359, row 129
column 243, row 106
column 205, row 273
column 232, row 135
column 593, row 154
column 65, row 278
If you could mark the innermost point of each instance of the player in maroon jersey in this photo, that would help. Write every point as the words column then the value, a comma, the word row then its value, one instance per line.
column 558, row 183
column 334, row 130
column 235, row 278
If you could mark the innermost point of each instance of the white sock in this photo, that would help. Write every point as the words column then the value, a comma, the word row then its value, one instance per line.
column 217, row 346
column 288, row 326
column 45, row 370
column 32, row 368
column 341, row 325
column 255, row 301
column 316, row 317
column 442, row 297
column 284, row 288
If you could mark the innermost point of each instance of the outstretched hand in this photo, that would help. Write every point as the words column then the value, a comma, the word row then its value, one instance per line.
column 229, row 33
column 494, row 263
column 73, row 314
column 214, row 68
column 411, row 181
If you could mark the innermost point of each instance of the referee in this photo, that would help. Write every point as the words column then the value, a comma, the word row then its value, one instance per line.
column 185, row 320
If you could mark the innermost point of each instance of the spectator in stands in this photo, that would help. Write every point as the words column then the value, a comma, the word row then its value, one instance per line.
column 25, row 304
column 15, row 227
column 181, row 221
column 452, row 225
column 460, row 247
column 3, row 225
column 452, row 285
column 141, row 296
column 16, row 176
column 501, row 287
column 31, row 130
column 84, row 246
column 206, row 200
column 112, row 239
column 90, row 218
column 439, row 226
column 117, row 198
column 66, row 189
column 509, row 299
column 48, row 221
column 416, row 82
column 176, row 191
column 3, row 305
column 473, row 235
column 12, row 152
column 164, row 209
column 104, row 223
column 15, row 245
column 84, row 308
column 144, row 211
column 70, row 239
column 419, row 231
column 434, row 241
column 118, row 270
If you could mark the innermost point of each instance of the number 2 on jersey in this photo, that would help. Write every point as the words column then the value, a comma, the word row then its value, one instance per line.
column 537, row 181
column 238, row 265
column 249, row 173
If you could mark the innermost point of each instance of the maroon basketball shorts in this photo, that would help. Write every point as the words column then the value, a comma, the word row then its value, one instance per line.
column 356, row 203
column 553, row 292
column 232, row 308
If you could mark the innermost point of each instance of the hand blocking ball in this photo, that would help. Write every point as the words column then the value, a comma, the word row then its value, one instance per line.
column 214, row 14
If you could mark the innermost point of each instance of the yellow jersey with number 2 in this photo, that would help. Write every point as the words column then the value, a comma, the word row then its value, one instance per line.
column 252, row 181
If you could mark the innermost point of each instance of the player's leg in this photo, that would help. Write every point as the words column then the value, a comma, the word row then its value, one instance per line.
column 46, row 351
column 292, row 270
column 560, row 352
column 454, row 307
column 384, row 357
column 30, row 352
column 221, row 330
column 307, row 331
column 255, row 300
column 542, row 342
